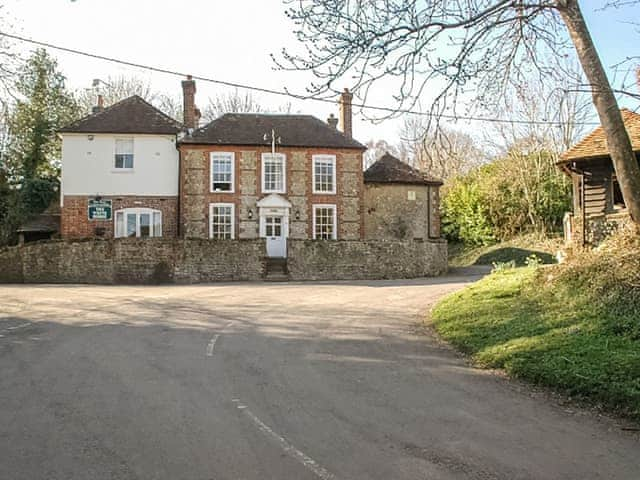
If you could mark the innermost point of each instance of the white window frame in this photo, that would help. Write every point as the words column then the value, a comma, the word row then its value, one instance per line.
column 283, row 159
column 228, row 156
column 314, row 207
column 137, row 211
column 233, row 219
column 115, row 153
column 326, row 159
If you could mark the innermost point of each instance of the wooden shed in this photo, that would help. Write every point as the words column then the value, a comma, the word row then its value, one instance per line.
column 598, row 206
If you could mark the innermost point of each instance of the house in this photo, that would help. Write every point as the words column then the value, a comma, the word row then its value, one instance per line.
column 246, row 176
column 401, row 202
column 598, row 206
column 120, row 173
column 129, row 170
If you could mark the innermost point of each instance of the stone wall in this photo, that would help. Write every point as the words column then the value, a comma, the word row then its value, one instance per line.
column 365, row 260
column 130, row 261
column 401, row 212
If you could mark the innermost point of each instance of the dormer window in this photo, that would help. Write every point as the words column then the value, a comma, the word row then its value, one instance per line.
column 124, row 154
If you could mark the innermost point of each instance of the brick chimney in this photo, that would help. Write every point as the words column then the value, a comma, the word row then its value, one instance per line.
column 189, row 102
column 345, row 113
column 332, row 121
column 100, row 106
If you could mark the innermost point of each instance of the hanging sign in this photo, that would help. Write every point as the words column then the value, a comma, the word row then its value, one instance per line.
column 99, row 209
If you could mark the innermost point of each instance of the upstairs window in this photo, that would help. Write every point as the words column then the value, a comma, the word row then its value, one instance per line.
column 324, row 222
column 124, row 153
column 222, row 172
column 324, row 174
column 273, row 173
column 138, row 223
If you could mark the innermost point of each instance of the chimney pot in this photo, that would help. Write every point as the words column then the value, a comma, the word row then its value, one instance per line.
column 346, row 113
column 332, row 121
column 188, row 102
column 100, row 105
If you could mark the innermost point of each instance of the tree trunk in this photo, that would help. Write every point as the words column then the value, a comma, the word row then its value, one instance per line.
column 619, row 145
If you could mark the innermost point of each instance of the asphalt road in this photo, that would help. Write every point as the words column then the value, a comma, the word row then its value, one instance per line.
column 270, row 381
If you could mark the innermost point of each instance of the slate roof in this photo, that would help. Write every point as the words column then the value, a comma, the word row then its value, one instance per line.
column 389, row 169
column 131, row 115
column 595, row 144
column 249, row 129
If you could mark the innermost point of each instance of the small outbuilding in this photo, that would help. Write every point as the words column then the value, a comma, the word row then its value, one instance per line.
column 400, row 202
column 44, row 226
column 598, row 206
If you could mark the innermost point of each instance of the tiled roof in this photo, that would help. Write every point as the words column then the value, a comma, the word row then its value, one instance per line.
column 131, row 115
column 388, row 169
column 250, row 128
column 595, row 144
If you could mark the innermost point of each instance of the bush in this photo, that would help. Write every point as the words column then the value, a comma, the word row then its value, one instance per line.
column 519, row 193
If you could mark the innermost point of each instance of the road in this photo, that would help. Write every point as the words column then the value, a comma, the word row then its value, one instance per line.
column 271, row 381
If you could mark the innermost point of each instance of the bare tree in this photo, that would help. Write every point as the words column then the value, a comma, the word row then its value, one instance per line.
column 231, row 102
column 377, row 148
column 443, row 153
column 463, row 52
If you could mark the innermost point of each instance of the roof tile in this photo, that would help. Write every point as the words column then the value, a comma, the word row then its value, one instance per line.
column 388, row 169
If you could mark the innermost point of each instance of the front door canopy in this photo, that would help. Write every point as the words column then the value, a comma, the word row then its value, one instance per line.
column 273, row 201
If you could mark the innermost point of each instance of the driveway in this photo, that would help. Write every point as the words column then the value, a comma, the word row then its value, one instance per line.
column 270, row 381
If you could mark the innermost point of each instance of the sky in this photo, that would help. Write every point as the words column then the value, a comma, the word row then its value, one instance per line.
column 228, row 40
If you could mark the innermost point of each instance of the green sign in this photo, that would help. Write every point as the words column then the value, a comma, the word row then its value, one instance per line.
column 99, row 209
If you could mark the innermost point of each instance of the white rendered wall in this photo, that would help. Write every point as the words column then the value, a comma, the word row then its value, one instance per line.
column 88, row 166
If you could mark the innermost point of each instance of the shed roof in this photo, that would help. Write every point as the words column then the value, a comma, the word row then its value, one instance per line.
column 249, row 129
column 595, row 144
column 389, row 169
column 44, row 222
column 131, row 115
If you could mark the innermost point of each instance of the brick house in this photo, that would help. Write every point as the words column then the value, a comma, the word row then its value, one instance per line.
column 598, row 206
column 120, row 173
column 129, row 170
column 246, row 176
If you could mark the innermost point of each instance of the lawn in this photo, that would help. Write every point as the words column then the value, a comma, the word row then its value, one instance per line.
column 549, row 333
column 517, row 250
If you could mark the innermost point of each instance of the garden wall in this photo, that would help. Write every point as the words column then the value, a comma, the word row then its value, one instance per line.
column 129, row 261
column 365, row 260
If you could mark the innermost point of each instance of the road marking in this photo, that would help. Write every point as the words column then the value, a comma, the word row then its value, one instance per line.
column 211, row 345
column 303, row 458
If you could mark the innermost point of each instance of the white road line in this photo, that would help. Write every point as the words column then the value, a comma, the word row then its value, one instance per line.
column 303, row 458
column 211, row 345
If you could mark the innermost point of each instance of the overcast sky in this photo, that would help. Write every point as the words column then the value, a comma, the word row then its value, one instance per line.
column 230, row 40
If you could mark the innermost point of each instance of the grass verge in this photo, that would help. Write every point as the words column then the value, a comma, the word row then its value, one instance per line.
column 516, row 249
column 544, row 326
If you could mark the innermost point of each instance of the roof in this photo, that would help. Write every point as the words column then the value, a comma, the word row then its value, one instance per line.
column 595, row 144
column 389, row 169
column 131, row 115
column 250, row 128
column 44, row 222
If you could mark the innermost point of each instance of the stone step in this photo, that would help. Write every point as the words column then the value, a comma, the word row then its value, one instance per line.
column 277, row 270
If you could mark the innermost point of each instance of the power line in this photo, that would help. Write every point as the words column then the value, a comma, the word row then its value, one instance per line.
column 278, row 92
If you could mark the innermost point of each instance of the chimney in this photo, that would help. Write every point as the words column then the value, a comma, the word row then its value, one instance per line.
column 332, row 121
column 188, row 102
column 345, row 113
column 100, row 106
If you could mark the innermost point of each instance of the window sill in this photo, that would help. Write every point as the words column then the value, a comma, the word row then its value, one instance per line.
column 123, row 170
column 315, row 192
column 283, row 192
column 222, row 191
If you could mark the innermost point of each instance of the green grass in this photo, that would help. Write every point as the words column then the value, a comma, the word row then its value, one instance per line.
column 550, row 333
column 517, row 249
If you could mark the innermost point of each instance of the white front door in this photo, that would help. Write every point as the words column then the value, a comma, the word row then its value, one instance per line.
column 275, row 233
